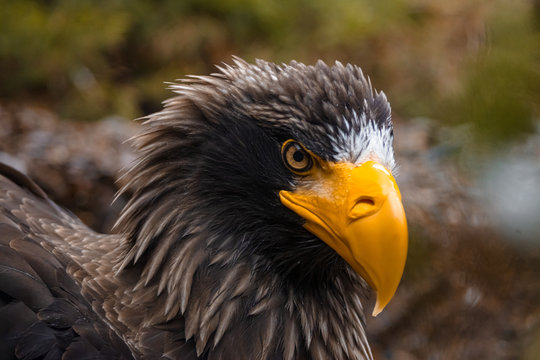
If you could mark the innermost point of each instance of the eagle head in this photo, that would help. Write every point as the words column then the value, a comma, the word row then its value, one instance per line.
column 286, row 168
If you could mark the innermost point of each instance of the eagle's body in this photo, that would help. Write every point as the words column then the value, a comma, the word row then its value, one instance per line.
column 208, row 263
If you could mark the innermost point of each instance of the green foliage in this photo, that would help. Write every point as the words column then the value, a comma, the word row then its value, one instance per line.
column 92, row 58
column 56, row 48
column 501, row 85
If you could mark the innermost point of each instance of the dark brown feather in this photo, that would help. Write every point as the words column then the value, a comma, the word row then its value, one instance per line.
column 42, row 312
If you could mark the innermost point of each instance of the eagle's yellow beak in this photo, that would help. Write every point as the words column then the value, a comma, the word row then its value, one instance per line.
column 357, row 211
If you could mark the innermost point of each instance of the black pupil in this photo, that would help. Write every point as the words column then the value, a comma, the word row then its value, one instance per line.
column 298, row 156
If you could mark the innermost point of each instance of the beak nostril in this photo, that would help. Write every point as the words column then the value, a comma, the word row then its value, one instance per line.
column 366, row 202
column 364, row 206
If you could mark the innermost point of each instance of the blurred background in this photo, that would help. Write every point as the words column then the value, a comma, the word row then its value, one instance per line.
column 463, row 78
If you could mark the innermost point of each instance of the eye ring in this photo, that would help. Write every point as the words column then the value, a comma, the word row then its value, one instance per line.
column 296, row 157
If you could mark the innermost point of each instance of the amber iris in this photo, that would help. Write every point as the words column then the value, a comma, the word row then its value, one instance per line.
column 296, row 157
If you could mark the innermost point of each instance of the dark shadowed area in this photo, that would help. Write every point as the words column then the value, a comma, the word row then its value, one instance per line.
column 463, row 78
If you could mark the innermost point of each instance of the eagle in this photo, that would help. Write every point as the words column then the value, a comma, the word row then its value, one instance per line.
column 263, row 208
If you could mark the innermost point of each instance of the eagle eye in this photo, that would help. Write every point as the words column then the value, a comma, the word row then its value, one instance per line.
column 296, row 157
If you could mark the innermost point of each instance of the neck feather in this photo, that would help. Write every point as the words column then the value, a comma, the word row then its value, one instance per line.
column 233, row 308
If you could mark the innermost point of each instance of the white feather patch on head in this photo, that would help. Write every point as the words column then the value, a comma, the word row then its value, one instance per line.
column 363, row 142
